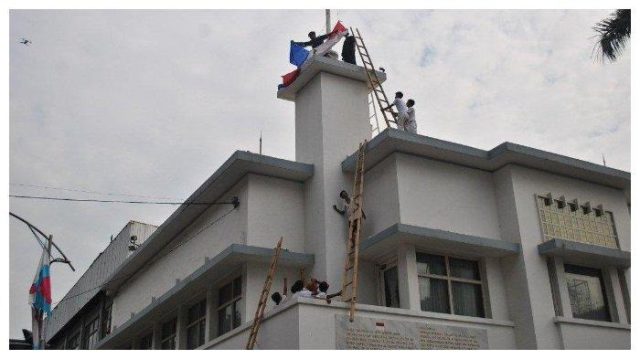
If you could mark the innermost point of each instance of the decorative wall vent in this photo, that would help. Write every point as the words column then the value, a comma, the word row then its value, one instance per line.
column 575, row 221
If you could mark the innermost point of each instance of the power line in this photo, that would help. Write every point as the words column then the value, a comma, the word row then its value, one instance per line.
column 215, row 221
column 92, row 192
column 233, row 201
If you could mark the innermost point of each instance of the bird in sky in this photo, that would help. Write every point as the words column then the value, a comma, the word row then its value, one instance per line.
column 25, row 41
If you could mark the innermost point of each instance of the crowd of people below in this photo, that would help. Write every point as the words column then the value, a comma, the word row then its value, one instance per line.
column 313, row 289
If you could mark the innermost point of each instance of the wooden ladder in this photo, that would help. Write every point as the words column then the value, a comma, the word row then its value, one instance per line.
column 350, row 275
column 374, row 80
column 375, row 125
column 264, row 296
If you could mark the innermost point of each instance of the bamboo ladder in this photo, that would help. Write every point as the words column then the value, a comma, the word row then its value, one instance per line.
column 374, row 81
column 350, row 275
column 264, row 296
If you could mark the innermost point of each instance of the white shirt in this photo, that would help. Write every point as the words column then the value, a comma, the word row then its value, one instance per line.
column 401, row 107
column 321, row 295
column 305, row 293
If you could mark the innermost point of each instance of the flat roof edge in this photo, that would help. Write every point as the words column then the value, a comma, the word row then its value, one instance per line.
column 396, row 141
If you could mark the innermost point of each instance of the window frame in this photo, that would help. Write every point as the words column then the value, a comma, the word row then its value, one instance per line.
column 233, row 301
column 449, row 279
column 196, row 323
column 105, row 322
column 382, row 268
column 141, row 340
column 73, row 335
column 610, row 309
column 90, row 328
column 171, row 337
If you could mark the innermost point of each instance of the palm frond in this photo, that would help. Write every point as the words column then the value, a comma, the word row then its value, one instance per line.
column 613, row 34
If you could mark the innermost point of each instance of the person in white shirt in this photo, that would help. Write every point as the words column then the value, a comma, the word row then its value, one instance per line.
column 322, row 290
column 410, row 124
column 280, row 298
column 401, row 107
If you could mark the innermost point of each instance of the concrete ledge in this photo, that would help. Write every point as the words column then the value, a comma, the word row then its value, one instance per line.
column 393, row 140
column 362, row 309
column 585, row 254
column 222, row 264
column 436, row 239
column 591, row 323
column 324, row 64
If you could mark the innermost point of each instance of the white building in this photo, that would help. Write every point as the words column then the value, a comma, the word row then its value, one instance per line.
column 461, row 248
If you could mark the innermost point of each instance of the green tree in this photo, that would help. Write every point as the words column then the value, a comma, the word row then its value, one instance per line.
column 613, row 34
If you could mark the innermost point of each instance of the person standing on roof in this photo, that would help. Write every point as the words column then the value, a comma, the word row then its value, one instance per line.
column 410, row 124
column 314, row 41
column 401, row 107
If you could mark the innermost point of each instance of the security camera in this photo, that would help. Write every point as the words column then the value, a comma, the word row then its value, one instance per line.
column 132, row 243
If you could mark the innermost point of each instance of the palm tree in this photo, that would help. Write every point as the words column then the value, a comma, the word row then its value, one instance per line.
column 613, row 34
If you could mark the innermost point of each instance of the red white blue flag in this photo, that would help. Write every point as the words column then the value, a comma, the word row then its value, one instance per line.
column 40, row 300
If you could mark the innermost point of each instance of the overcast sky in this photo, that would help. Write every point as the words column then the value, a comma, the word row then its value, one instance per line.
column 150, row 103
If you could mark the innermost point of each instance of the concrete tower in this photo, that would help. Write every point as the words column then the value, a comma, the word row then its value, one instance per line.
column 332, row 118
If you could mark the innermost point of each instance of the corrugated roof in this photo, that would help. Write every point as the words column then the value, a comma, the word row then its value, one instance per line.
column 93, row 278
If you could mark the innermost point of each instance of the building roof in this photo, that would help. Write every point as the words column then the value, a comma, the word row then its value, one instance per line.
column 231, row 172
column 393, row 140
column 89, row 284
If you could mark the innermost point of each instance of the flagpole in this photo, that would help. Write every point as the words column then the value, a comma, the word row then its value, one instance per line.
column 327, row 14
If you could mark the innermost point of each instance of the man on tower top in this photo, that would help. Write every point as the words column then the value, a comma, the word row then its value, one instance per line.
column 410, row 124
column 401, row 107
column 314, row 41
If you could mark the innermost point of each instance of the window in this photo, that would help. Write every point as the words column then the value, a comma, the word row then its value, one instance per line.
column 106, row 319
column 391, row 290
column 91, row 332
column 146, row 342
column 449, row 285
column 573, row 222
column 73, row 342
column 168, row 337
column 196, row 321
column 586, row 293
column 229, row 303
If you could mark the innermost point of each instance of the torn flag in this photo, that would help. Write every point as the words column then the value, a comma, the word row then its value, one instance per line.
column 338, row 32
column 297, row 54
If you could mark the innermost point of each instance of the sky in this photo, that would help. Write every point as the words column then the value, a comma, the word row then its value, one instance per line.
column 148, row 104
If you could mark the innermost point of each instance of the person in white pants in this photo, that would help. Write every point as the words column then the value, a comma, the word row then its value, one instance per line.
column 410, row 124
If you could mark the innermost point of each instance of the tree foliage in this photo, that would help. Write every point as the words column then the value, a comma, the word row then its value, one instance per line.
column 613, row 34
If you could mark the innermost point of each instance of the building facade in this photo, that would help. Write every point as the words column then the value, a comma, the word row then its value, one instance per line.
column 512, row 248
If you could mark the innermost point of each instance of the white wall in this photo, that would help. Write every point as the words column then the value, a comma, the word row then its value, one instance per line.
column 381, row 204
column 276, row 209
column 526, row 276
column 449, row 197
column 580, row 336
column 331, row 120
